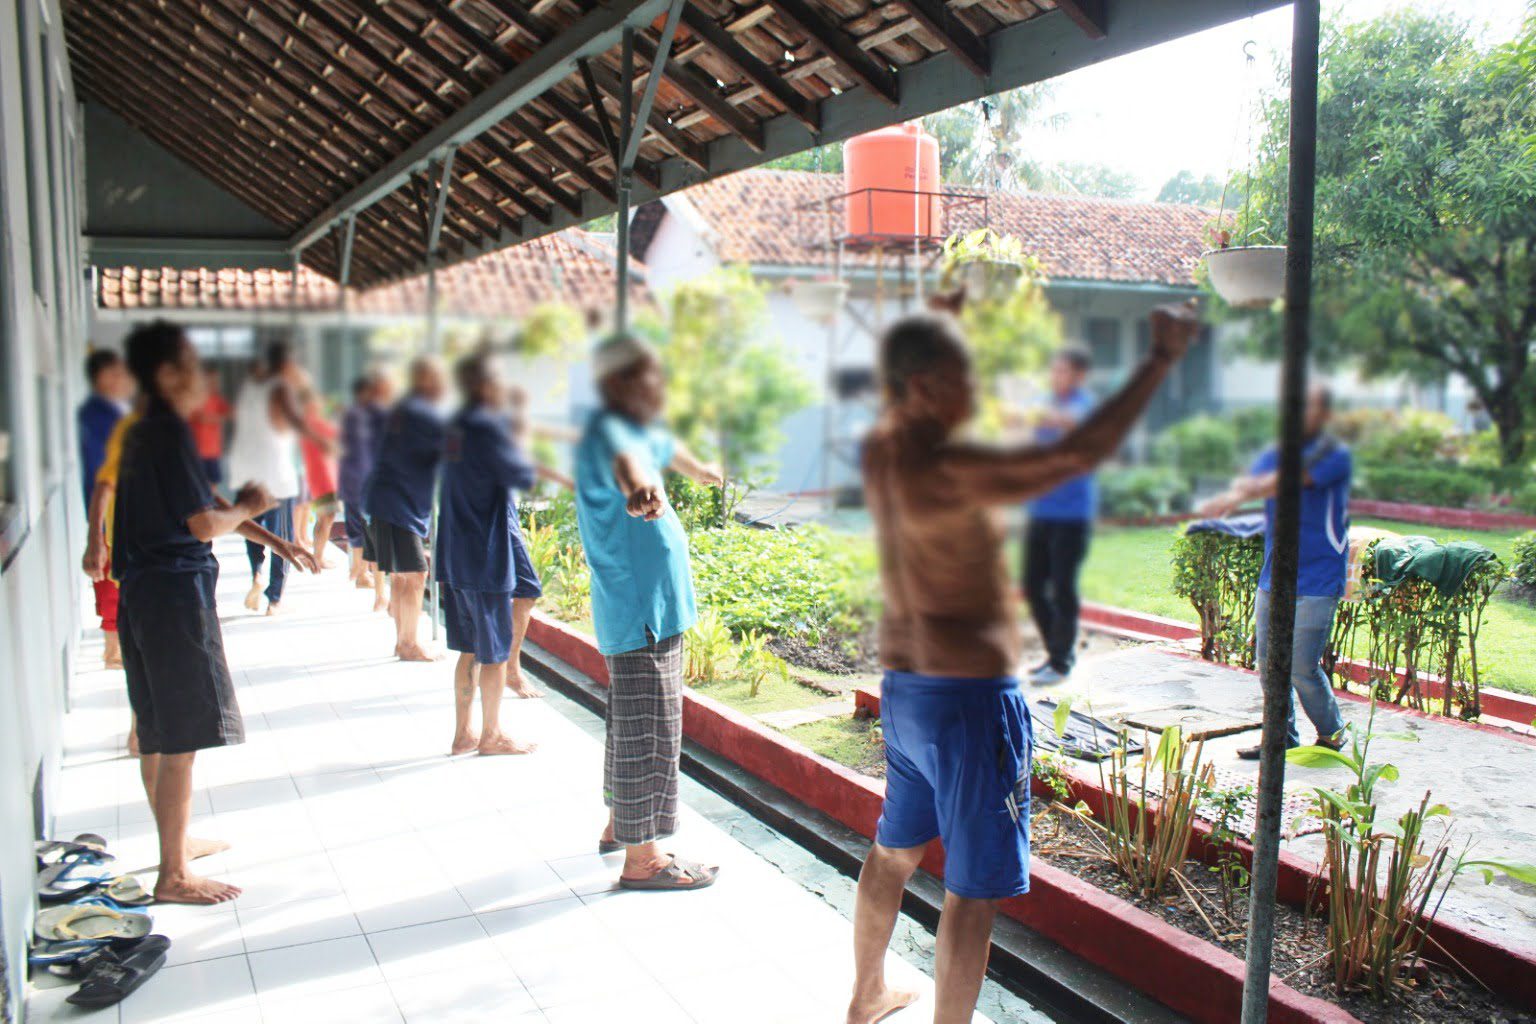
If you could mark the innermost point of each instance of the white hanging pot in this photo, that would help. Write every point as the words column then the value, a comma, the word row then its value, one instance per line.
column 992, row 279
column 1248, row 276
column 819, row 300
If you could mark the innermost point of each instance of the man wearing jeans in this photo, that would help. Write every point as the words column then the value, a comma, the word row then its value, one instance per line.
column 1322, row 563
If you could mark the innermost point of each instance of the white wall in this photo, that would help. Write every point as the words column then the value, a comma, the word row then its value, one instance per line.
column 42, row 315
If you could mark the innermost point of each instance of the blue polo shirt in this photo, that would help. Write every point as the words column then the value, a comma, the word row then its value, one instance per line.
column 160, row 485
column 477, row 505
column 1324, row 547
column 640, row 574
column 1076, row 500
column 410, row 446
column 95, row 418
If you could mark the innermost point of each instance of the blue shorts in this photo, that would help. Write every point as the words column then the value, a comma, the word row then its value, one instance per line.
column 526, row 582
column 957, row 767
column 480, row 623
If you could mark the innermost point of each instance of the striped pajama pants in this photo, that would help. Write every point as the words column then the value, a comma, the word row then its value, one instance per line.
column 645, row 740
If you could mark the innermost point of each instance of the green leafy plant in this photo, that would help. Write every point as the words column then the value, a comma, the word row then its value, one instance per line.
column 1446, row 487
column 707, row 649
column 1139, row 492
column 756, row 664
column 982, row 246
column 1384, row 881
column 1050, row 768
column 552, row 329
column 1219, row 575
column 1199, row 446
column 1524, row 571
column 1223, row 805
column 1148, row 829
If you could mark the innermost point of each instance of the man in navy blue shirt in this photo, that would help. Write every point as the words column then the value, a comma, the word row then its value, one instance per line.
column 173, row 650
column 361, row 427
column 1060, row 524
column 111, row 391
column 1323, row 563
column 489, row 584
column 398, row 500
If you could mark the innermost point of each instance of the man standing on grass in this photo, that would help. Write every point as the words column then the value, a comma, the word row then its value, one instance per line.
column 111, row 391
column 1060, row 525
column 642, row 604
column 489, row 584
column 398, row 500
column 957, row 732
column 165, row 519
column 1323, row 563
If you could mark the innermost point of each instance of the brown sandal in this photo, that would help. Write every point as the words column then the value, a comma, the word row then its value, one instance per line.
column 678, row 876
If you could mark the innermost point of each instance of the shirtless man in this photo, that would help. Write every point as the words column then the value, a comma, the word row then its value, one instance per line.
column 957, row 732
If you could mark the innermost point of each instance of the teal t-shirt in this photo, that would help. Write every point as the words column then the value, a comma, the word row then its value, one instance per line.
column 640, row 575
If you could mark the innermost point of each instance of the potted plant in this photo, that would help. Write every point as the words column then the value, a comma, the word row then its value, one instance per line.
column 1246, row 276
column 988, row 264
column 821, row 298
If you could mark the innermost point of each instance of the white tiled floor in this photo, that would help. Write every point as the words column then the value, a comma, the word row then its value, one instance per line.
column 385, row 881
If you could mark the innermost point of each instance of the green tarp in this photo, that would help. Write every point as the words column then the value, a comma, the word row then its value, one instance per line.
column 1447, row 566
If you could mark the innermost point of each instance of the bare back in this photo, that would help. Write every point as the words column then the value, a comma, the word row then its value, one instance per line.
column 950, row 609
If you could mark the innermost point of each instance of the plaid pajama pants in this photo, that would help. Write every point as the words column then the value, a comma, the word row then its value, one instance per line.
column 645, row 740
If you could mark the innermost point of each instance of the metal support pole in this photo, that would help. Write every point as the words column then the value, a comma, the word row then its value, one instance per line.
column 434, row 232
column 1287, row 521
column 344, row 276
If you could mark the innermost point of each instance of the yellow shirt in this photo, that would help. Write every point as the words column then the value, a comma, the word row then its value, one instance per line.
column 110, row 464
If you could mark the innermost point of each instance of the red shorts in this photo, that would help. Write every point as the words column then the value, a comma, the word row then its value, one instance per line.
column 106, row 604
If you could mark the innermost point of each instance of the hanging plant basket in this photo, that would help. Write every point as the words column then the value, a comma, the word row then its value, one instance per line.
column 1248, row 276
column 819, row 300
column 991, row 279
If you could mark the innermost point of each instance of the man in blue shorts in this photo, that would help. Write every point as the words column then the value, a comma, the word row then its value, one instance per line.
column 488, row 581
column 957, row 733
column 398, row 500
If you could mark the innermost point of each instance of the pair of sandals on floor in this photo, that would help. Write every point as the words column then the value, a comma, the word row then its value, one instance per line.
column 680, row 875
column 101, row 941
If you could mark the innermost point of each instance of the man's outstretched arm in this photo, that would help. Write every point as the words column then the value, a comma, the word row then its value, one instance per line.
column 1006, row 474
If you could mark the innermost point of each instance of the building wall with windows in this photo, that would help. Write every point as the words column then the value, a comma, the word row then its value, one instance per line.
column 43, row 305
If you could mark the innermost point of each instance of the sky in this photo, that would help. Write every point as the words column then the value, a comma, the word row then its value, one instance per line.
column 1181, row 105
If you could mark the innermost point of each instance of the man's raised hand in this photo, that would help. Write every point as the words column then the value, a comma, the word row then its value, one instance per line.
column 1174, row 327
column 255, row 499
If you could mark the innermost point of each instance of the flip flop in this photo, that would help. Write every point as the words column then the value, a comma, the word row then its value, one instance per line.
column 127, row 891
column 678, row 876
column 112, row 981
column 56, row 954
column 81, row 968
column 85, row 842
column 91, row 918
column 77, row 872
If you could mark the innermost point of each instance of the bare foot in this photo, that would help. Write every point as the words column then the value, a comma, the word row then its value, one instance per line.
column 253, row 596
column 381, row 604
column 880, row 1006
column 363, row 583
column 204, row 847
column 523, row 688
column 112, row 662
column 463, row 743
column 501, row 744
column 133, row 743
column 415, row 652
column 274, row 609
column 193, row 889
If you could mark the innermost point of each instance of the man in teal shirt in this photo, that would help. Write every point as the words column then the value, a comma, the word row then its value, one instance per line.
column 642, row 604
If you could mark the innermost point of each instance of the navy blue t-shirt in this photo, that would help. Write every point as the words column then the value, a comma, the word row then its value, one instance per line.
column 1324, row 547
column 96, row 417
column 160, row 485
column 410, row 448
column 477, row 507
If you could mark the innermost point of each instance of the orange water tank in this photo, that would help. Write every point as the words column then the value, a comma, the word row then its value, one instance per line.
column 881, row 171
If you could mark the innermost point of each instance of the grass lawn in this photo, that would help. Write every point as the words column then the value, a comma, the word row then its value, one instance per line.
column 1128, row 567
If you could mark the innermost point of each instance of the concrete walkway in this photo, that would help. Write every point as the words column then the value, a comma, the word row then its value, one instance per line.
column 385, row 881
column 1485, row 778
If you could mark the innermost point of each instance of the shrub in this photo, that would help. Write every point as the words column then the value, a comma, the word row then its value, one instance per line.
column 1138, row 491
column 1524, row 571
column 1425, row 485
column 1199, row 446
column 1256, row 427
column 1412, row 437
column 1219, row 574
column 1524, row 500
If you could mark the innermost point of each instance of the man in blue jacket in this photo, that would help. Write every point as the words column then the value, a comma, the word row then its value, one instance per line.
column 1327, row 469
column 398, row 500
column 489, row 583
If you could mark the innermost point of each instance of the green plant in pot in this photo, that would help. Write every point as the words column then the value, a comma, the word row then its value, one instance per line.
column 990, row 265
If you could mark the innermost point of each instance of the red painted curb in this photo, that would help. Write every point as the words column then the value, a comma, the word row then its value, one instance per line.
column 1516, row 708
column 1183, row 971
column 1435, row 515
column 1468, row 948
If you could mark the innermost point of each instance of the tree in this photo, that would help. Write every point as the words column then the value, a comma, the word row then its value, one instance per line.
column 1426, row 210
column 827, row 159
column 983, row 144
column 1087, row 179
column 1184, row 187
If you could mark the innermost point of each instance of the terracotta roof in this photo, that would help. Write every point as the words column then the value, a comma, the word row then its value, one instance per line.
column 754, row 220
column 571, row 267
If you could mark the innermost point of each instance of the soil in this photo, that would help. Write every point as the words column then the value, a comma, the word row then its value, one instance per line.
column 838, row 654
column 1438, row 997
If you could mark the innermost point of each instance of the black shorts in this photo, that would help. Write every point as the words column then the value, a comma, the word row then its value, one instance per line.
column 173, row 654
column 357, row 527
column 397, row 549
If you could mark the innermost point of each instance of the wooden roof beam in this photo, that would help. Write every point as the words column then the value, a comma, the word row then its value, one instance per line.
column 729, row 49
column 703, row 91
column 870, row 71
column 937, row 18
column 1091, row 16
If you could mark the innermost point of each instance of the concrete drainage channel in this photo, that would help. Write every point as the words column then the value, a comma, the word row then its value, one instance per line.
column 1059, row 984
